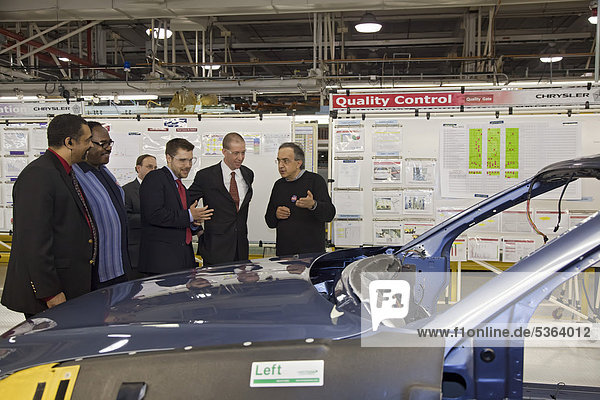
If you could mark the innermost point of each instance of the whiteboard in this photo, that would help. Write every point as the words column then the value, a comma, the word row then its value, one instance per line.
column 149, row 136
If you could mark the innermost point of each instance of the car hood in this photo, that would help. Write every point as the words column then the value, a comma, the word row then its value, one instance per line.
column 266, row 300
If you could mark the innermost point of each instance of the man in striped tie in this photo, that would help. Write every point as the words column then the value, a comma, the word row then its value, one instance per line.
column 169, row 217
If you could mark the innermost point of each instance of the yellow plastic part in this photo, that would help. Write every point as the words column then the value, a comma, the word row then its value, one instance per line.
column 23, row 384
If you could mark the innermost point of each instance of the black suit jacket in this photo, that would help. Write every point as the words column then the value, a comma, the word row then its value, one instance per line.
column 226, row 233
column 164, row 221
column 52, row 244
column 134, row 220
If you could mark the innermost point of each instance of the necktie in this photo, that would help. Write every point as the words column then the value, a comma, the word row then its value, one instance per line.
column 181, row 190
column 233, row 190
column 88, row 215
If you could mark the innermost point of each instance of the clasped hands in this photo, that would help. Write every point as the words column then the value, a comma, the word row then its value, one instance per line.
column 200, row 214
column 283, row 212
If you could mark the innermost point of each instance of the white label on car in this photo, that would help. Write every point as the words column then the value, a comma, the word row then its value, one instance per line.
column 287, row 373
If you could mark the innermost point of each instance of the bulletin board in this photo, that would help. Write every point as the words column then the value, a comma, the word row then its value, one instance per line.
column 409, row 173
column 262, row 136
column 22, row 142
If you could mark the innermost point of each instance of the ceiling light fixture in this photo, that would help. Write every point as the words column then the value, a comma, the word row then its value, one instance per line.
column 551, row 59
column 368, row 24
column 593, row 18
column 214, row 67
column 64, row 59
column 159, row 33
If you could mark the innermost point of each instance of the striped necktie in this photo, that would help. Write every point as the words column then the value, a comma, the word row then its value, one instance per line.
column 88, row 215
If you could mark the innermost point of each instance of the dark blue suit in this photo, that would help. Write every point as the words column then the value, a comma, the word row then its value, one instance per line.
column 164, row 222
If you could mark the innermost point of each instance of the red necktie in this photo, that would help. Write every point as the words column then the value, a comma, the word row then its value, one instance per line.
column 181, row 190
column 233, row 190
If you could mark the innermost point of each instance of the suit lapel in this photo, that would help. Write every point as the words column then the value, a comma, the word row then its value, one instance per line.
column 172, row 184
column 67, row 180
column 220, row 183
column 248, row 195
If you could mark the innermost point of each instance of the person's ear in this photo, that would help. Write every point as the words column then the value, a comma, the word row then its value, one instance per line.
column 68, row 142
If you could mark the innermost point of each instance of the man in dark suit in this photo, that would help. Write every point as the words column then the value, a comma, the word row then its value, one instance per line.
column 168, row 214
column 54, row 243
column 144, row 164
column 227, row 188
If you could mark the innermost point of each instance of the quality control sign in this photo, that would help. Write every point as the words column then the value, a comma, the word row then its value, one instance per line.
column 578, row 96
column 394, row 100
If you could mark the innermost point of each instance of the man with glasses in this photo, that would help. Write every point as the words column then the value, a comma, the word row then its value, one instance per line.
column 299, row 205
column 227, row 188
column 169, row 215
column 107, row 203
column 144, row 164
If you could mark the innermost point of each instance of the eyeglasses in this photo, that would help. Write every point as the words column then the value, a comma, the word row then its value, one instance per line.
column 236, row 153
column 191, row 161
column 104, row 145
column 285, row 161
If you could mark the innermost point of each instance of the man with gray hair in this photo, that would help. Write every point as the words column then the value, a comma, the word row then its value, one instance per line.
column 299, row 206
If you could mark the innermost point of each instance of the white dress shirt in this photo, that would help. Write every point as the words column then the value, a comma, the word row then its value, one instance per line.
column 239, row 179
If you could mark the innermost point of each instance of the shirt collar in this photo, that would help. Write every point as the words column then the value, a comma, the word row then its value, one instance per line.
column 228, row 170
column 297, row 177
column 172, row 174
column 139, row 180
column 64, row 162
column 85, row 167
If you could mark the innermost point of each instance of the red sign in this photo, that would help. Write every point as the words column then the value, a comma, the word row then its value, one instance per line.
column 395, row 100
column 577, row 96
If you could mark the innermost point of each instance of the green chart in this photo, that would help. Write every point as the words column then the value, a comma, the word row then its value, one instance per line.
column 493, row 148
column 512, row 148
column 475, row 148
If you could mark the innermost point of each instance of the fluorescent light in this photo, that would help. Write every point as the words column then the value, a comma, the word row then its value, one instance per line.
column 18, row 98
column 214, row 67
column 138, row 97
column 368, row 24
column 551, row 59
column 64, row 59
column 94, row 98
column 159, row 33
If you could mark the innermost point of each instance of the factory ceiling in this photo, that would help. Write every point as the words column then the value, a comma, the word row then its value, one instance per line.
column 285, row 47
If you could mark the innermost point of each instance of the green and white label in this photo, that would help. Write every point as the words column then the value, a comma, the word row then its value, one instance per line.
column 287, row 373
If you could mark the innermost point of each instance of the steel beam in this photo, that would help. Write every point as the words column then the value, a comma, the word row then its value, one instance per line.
column 60, row 39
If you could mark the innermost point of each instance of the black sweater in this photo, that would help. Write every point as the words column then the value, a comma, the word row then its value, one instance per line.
column 304, row 230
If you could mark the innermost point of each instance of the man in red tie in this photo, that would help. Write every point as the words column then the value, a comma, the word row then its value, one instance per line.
column 168, row 215
column 226, row 187
column 54, row 243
